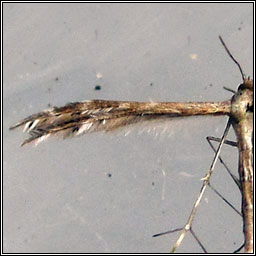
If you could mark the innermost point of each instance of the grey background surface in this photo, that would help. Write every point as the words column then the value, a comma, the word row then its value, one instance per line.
column 58, row 196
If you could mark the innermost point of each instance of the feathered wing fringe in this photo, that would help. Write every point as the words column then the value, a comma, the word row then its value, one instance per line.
column 79, row 118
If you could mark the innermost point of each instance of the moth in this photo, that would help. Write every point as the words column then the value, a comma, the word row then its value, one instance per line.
column 84, row 117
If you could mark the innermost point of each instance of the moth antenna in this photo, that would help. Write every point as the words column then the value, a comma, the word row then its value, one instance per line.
column 225, row 88
column 231, row 56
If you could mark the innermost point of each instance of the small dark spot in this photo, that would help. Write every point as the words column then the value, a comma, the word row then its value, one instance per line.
column 109, row 175
column 151, row 84
column 75, row 129
column 18, row 227
column 240, row 87
column 153, row 183
column 30, row 124
column 249, row 108
column 210, row 85
column 56, row 79
column 49, row 105
column 163, row 212
column 49, row 89
column 97, row 88
column 240, row 28
column 35, row 63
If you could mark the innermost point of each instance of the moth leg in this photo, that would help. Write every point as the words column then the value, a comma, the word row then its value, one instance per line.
column 230, row 143
column 206, row 180
column 236, row 180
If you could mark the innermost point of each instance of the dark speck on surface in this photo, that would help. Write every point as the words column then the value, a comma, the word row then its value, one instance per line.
column 97, row 88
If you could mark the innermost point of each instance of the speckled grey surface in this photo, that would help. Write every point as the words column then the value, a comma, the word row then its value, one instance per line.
column 58, row 197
